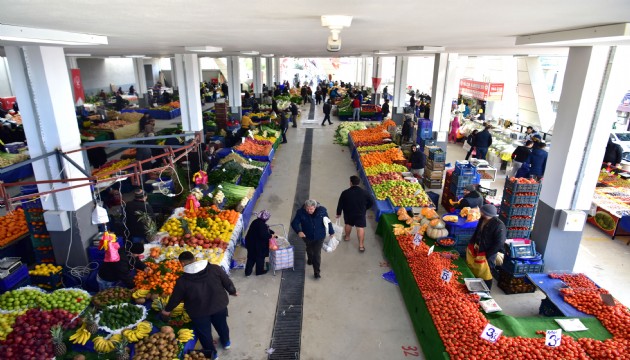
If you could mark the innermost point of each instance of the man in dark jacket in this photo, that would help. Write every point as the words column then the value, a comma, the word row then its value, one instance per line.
column 224, row 89
column 418, row 161
column 257, row 243
column 538, row 161
column 471, row 141
column 613, row 154
column 385, row 108
column 308, row 223
column 489, row 237
column 304, row 94
column 354, row 203
column 294, row 114
column 472, row 198
column 327, row 108
column 284, row 125
column 520, row 155
column 137, row 229
column 483, row 142
column 407, row 128
column 202, row 287
column 111, row 273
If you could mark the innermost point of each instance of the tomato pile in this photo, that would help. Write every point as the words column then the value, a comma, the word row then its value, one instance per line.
column 522, row 193
column 461, row 322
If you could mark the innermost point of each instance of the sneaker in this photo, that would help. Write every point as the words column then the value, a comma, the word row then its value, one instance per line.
column 309, row 262
column 227, row 345
column 317, row 276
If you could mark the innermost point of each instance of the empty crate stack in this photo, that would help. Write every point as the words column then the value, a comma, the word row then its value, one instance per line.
column 425, row 132
column 434, row 167
column 518, row 207
column 456, row 180
column 221, row 112
column 520, row 258
column 40, row 238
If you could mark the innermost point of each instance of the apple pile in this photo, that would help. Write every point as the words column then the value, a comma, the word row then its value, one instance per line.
column 402, row 193
column 379, row 178
column 194, row 240
column 30, row 338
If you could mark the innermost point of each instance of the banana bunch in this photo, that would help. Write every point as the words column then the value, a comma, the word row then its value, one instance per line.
column 185, row 318
column 116, row 338
column 103, row 345
column 144, row 327
column 140, row 293
column 178, row 311
column 140, row 332
column 185, row 335
column 81, row 336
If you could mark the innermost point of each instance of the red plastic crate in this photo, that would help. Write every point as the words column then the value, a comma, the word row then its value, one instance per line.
column 7, row 102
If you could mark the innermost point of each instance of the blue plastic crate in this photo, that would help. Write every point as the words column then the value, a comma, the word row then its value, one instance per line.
column 437, row 155
column 512, row 198
column 518, row 234
column 516, row 187
column 457, row 191
column 462, row 180
column 519, row 251
column 464, row 169
column 523, row 266
column 425, row 133
column 12, row 281
column 425, row 142
column 507, row 210
column 512, row 222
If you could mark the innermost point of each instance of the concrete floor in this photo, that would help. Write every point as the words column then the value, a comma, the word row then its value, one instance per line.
column 352, row 313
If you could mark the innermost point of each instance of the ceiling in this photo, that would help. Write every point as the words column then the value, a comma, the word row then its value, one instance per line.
column 289, row 28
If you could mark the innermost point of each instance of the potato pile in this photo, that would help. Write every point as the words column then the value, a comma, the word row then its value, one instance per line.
column 112, row 296
column 162, row 345
column 194, row 355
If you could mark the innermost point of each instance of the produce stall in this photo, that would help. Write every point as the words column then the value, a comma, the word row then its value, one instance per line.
column 610, row 211
column 121, row 126
column 12, row 174
column 449, row 323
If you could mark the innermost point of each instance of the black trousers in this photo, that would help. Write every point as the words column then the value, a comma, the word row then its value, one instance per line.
column 202, row 326
column 326, row 117
column 284, row 135
column 255, row 259
column 469, row 152
column 314, row 253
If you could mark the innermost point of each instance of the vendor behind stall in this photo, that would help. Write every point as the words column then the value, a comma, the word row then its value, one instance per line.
column 472, row 198
column 613, row 154
column 119, row 270
column 137, row 229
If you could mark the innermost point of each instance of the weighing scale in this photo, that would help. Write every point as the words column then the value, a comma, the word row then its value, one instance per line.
column 9, row 265
column 476, row 285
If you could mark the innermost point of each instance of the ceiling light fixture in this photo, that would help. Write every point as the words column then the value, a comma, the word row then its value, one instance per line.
column 47, row 36
column 250, row 52
column 78, row 55
column 135, row 56
column 381, row 52
column 585, row 36
column 335, row 23
column 203, row 48
column 425, row 48
column 267, row 55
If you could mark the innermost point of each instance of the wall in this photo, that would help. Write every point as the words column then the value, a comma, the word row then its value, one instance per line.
column 98, row 74
column 5, row 87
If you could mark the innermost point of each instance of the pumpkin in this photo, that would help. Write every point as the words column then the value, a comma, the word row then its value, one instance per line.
column 425, row 210
column 435, row 233
column 437, row 224
column 423, row 229
column 431, row 214
column 425, row 221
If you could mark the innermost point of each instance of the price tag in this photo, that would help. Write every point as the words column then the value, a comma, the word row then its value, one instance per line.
column 446, row 275
column 417, row 239
column 415, row 229
column 491, row 333
column 223, row 169
column 553, row 338
column 430, row 250
column 243, row 140
column 220, row 187
column 249, row 159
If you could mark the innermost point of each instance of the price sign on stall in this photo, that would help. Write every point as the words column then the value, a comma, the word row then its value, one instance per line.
column 491, row 333
column 446, row 275
column 243, row 140
column 417, row 239
column 430, row 250
column 553, row 338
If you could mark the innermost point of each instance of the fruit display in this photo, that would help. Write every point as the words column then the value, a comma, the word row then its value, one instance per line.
column 111, row 296
column 185, row 335
column 111, row 167
column 605, row 221
column 386, row 157
column 142, row 330
column 160, row 278
column 31, row 337
column 384, row 168
column 116, row 317
column 254, row 147
column 162, row 345
column 402, row 193
column 213, row 255
column 10, row 159
column 383, row 147
column 12, row 226
column 102, row 345
column 21, row 299
column 81, row 336
column 71, row 300
column 445, row 242
column 377, row 179
column 45, row 270
column 194, row 355
column 6, row 323
column 111, row 125
column 373, row 135
column 341, row 134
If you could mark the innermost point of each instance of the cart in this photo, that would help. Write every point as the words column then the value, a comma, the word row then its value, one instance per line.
column 282, row 258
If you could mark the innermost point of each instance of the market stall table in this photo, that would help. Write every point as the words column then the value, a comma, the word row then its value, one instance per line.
column 15, row 174
column 551, row 288
column 611, row 210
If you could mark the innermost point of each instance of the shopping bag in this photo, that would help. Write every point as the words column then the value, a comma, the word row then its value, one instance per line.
column 338, row 229
column 477, row 262
column 330, row 244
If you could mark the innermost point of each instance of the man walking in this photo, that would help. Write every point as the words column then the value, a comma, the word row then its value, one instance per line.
column 327, row 108
column 202, row 287
column 308, row 223
column 294, row 114
column 284, row 125
column 354, row 203
column 483, row 142
column 356, row 109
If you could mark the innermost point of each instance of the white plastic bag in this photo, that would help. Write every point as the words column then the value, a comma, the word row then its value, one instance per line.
column 338, row 229
column 330, row 244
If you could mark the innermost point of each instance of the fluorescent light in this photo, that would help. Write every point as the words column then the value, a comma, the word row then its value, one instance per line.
column 135, row 56
column 381, row 52
column 78, row 55
column 250, row 52
column 425, row 48
column 336, row 21
column 47, row 36
column 115, row 57
column 267, row 55
column 585, row 36
column 203, row 48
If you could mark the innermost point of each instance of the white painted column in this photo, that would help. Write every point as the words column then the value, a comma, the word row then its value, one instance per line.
column 5, row 63
column 377, row 70
column 187, row 74
column 72, row 62
column 257, row 76
column 276, row 69
column 174, row 72
column 445, row 88
column 269, row 72
column 140, row 77
column 400, row 84
column 583, row 123
column 234, row 84
column 41, row 83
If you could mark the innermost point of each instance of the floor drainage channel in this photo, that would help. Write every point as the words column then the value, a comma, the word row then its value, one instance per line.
column 287, row 329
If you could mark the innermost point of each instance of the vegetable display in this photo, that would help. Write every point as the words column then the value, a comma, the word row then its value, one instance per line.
column 254, row 147
column 341, row 134
column 251, row 177
column 12, row 226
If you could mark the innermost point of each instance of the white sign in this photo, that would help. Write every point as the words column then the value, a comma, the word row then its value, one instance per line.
column 446, row 275
column 417, row 239
column 430, row 250
column 223, row 169
column 243, row 140
column 491, row 333
column 553, row 338
column 249, row 159
column 415, row 229
column 220, row 187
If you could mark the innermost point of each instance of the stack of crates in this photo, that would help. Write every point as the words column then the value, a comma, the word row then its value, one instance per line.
column 40, row 238
column 464, row 174
column 520, row 258
column 446, row 193
column 434, row 167
column 461, row 236
column 518, row 207
column 425, row 130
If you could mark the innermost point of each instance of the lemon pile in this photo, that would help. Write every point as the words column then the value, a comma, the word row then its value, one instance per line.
column 216, row 229
column 45, row 270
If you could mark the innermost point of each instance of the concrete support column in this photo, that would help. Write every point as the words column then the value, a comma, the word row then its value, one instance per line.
column 41, row 83
column 595, row 80
column 400, row 86
column 269, row 72
column 276, row 69
column 234, row 84
column 257, row 76
column 187, row 74
column 377, row 70
column 173, row 73
column 72, row 62
column 141, row 83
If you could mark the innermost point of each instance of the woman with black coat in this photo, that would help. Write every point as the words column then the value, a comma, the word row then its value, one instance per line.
column 471, row 141
column 257, row 243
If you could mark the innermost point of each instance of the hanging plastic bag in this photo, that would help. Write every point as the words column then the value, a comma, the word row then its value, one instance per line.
column 99, row 215
column 330, row 244
column 338, row 229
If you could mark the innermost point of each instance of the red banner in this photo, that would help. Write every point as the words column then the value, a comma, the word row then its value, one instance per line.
column 375, row 83
column 77, row 86
column 481, row 90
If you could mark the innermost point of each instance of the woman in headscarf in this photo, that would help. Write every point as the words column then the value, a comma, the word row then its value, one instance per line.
column 257, row 243
column 452, row 136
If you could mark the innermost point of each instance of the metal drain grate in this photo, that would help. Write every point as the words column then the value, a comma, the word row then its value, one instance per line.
column 287, row 329
column 311, row 112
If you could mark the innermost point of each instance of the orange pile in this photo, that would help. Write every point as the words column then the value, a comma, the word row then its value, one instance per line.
column 159, row 278
column 12, row 226
column 229, row 215
column 382, row 157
